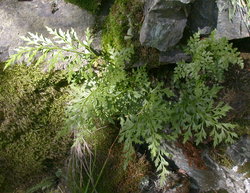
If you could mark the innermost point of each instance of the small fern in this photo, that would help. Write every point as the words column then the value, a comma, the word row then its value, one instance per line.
column 196, row 114
column 211, row 58
column 103, row 92
column 64, row 51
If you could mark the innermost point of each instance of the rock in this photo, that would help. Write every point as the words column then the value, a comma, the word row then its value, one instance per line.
column 164, row 23
column 20, row 17
column 214, row 176
column 175, row 183
column 240, row 151
column 173, row 56
column 207, row 15
column 203, row 16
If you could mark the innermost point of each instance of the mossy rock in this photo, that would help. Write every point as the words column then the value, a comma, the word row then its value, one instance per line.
column 32, row 112
column 121, row 28
column 245, row 169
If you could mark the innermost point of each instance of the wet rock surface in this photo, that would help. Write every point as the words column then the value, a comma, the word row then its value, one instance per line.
column 207, row 15
column 214, row 176
column 240, row 151
column 173, row 56
column 198, row 171
column 21, row 17
column 164, row 23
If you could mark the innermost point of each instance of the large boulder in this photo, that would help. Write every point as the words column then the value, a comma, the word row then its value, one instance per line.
column 164, row 23
column 207, row 15
column 19, row 17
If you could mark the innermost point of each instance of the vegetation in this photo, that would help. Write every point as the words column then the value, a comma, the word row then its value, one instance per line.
column 31, row 104
column 197, row 112
column 103, row 92
column 245, row 169
column 122, row 25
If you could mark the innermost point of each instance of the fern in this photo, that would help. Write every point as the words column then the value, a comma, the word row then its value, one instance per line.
column 148, row 124
column 103, row 92
column 196, row 114
column 64, row 51
column 44, row 185
column 211, row 58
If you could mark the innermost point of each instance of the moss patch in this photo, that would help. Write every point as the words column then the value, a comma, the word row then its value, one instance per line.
column 32, row 111
column 122, row 25
column 220, row 156
column 245, row 169
column 122, row 29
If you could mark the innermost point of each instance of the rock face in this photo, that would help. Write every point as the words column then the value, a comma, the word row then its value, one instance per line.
column 240, row 151
column 19, row 17
column 207, row 15
column 203, row 16
column 173, row 56
column 215, row 176
column 164, row 23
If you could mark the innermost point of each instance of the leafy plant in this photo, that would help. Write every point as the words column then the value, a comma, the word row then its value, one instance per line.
column 65, row 52
column 197, row 114
column 104, row 93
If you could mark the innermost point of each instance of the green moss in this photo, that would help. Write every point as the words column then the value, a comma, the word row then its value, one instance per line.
column 121, row 28
column 220, row 156
column 32, row 111
column 245, row 169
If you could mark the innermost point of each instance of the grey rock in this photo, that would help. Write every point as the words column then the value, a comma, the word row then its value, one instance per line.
column 19, row 17
column 203, row 16
column 173, row 56
column 215, row 176
column 207, row 15
column 164, row 23
column 240, row 151
column 235, row 29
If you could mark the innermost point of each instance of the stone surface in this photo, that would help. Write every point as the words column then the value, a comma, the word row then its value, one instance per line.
column 214, row 176
column 164, row 23
column 203, row 16
column 173, row 56
column 240, row 151
column 207, row 15
column 19, row 17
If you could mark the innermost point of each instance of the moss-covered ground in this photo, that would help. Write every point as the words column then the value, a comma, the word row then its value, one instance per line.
column 32, row 112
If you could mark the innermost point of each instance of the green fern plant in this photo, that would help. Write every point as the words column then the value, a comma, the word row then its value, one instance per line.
column 211, row 58
column 103, row 92
column 197, row 115
column 65, row 51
